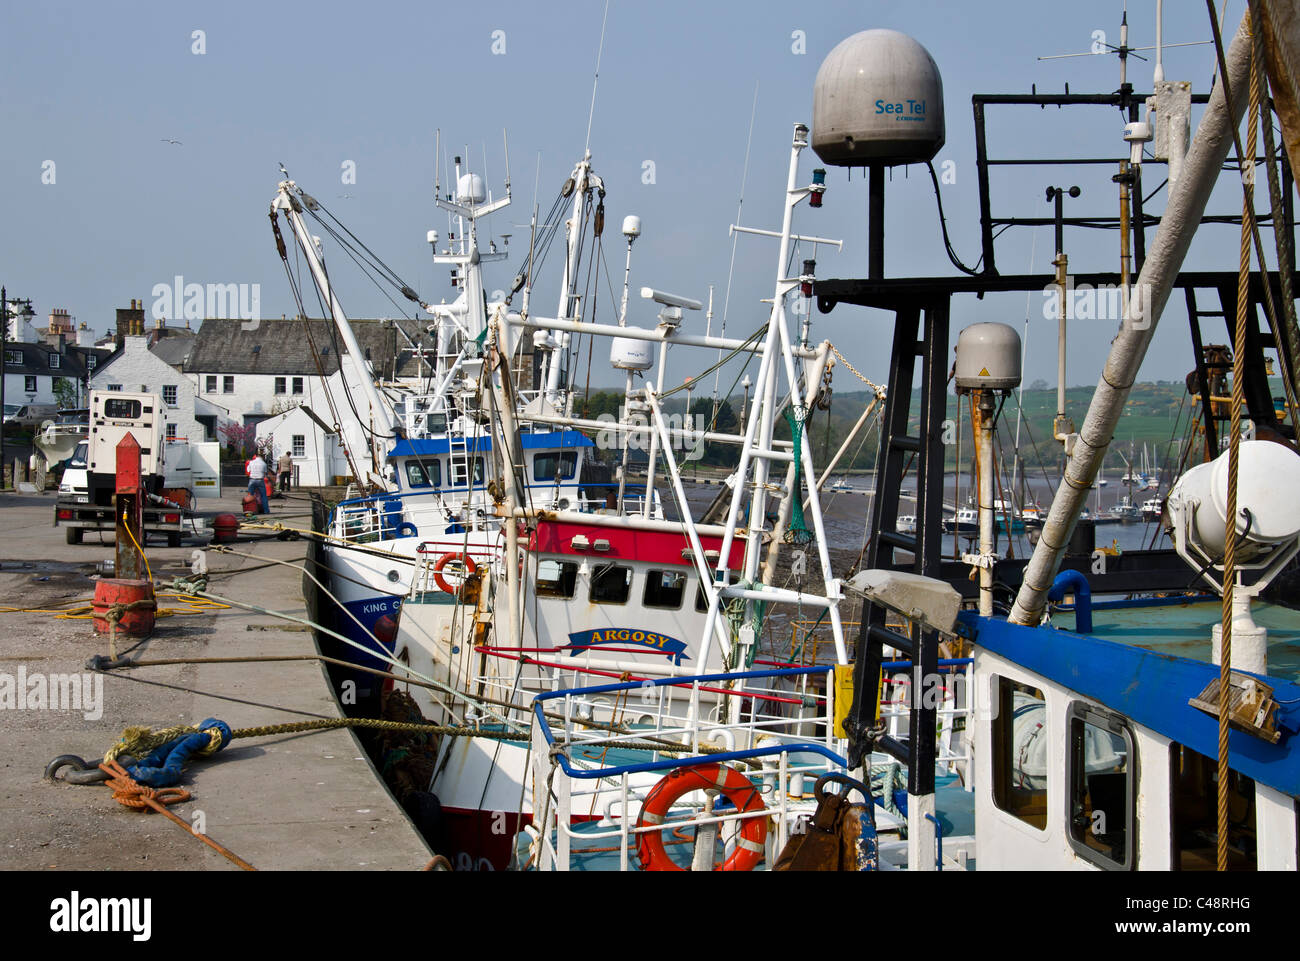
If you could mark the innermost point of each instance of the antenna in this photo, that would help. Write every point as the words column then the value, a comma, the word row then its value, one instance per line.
column 599, row 51
column 437, row 164
column 505, row 141
column 744, row 177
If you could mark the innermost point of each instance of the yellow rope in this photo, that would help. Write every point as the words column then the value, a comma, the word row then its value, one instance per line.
column 1234, row 448
column 127, row 528
column 83, row 609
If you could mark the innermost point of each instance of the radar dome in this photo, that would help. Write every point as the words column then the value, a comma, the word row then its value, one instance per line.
column 878, row 100
column 470, row 189
column 988, row 357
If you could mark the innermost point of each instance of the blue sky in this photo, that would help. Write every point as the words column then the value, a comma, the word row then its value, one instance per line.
column 96, row 88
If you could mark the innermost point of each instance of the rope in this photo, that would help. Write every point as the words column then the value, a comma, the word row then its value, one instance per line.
column 127, row 528
column 137, row 741
column 137, row 797
column 1234, row 447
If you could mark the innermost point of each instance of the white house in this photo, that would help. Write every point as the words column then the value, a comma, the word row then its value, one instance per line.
column 137, row 368
column 257, row 371
column 317, row 454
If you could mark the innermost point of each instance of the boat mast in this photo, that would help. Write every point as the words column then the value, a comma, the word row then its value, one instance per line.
column 1187, row 201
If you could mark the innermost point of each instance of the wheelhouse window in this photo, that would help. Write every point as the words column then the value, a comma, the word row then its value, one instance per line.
column 1020, row 744
column 458, row 469
column 423, row 473
column 547, row 466
column 664, row 589
column 702, row 600
column 556, row 578
column 1099, row 776
column 611, row 585
column 1193, row 781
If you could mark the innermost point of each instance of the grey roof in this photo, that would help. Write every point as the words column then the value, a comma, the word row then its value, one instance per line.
column 36, row 359
column 284, row 346
column 174, row 347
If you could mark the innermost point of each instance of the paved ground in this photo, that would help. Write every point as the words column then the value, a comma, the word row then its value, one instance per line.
column 292, row 802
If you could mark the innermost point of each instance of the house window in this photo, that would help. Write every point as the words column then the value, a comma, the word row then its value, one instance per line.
column 169, row 395
column 29, row 384
column 228, row 384
column 210, row 383
column 91, row 362
column 171, row 431
column 280, row 385
column 1099, row 779
column 665, row 589
column 1020, row 746
column 55, row 360
column 546, row 467
column 299, row 445
column 14, row 357
column 297, row 385
column 114, row 386
column 611, row 585
column 556, row 579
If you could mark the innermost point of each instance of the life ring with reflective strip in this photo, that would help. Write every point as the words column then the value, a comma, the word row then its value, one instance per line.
column 465, row 560
column 737, row 788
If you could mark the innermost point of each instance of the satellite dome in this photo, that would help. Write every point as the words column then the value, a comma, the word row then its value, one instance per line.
column 470, row 189
column 878, row 100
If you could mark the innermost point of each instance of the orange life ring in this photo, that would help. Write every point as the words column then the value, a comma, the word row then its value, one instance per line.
column 466, row 561
column 702, row 777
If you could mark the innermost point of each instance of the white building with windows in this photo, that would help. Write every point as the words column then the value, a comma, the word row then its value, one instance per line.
column 318, row 456
column 137, row 368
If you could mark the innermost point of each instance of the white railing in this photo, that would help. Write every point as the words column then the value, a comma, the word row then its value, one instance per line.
column 597, row 752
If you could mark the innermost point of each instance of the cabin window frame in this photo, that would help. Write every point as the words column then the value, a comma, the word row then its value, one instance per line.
column 681, row 595
column 470, row 473
column 604, row 570
column 566, row 580
column 1081, row 713
column 565, row 460
column 1001, row 731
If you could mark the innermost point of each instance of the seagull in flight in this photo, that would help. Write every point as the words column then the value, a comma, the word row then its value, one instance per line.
column 168, row 140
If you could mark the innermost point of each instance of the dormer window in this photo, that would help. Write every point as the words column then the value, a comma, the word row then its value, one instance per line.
column 55, row 361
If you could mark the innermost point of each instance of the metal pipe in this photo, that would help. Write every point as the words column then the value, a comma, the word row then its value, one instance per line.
column 983, row 429
column 1187, row 201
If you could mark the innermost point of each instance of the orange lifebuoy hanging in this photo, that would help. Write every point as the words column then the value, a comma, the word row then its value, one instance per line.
column 465, row 561
column 737, row 788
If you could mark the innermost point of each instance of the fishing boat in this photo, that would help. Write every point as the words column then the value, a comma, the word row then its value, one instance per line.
column 429, row 466
column 1088, row 741
column 613, row 660
column 607, row 700
column 1152, row 509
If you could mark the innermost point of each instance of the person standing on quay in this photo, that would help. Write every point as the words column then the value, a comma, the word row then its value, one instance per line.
column 285, row 469
column 257, row 482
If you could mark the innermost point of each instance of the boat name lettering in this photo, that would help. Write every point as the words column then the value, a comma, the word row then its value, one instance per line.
column 580, row 640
